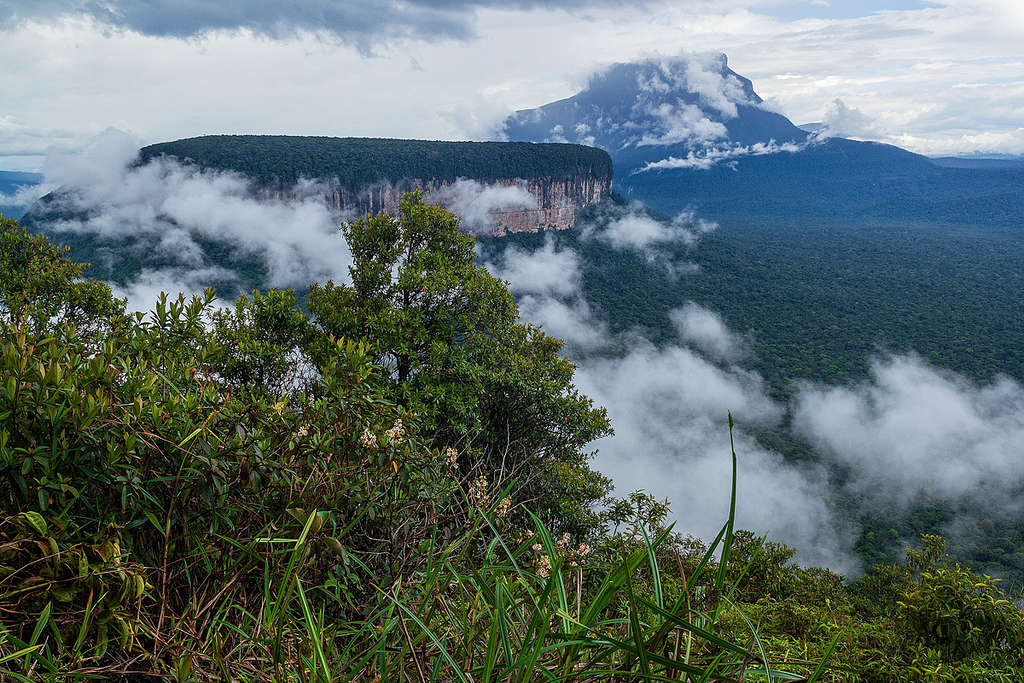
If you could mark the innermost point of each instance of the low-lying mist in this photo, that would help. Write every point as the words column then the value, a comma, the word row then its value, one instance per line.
column 669, row 404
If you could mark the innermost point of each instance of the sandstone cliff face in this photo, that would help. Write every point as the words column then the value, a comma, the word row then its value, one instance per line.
column 553, row 203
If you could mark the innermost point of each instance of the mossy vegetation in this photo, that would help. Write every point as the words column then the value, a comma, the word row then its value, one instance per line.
column 390, row 484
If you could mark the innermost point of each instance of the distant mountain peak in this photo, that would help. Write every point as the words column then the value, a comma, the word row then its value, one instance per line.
column 670, row 106
column 688, row 132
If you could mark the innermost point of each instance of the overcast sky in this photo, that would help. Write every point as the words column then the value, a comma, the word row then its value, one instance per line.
column 938, row 77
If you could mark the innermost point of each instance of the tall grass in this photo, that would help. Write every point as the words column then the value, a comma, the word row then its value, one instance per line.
column 484, row 607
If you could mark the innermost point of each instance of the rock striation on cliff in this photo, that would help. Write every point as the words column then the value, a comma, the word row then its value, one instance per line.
column 496, row 207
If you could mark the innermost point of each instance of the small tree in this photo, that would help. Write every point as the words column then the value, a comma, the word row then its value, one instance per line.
column 41, row 288
column 955, row 610
column 447, row 332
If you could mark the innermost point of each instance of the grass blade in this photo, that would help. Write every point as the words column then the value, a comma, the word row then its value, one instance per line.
column 820, row 669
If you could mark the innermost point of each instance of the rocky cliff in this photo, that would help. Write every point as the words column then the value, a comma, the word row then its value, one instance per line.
column 497, row 187
column 495, row 207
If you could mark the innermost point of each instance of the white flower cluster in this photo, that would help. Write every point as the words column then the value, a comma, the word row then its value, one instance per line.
column 368, row 439
column 451, row 456
column 396, row 432
column 574, row 557
column 581, row 553
column 478, row 492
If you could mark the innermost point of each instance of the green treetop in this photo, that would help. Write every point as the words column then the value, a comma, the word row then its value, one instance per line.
column 40, row 287
column 447, row 333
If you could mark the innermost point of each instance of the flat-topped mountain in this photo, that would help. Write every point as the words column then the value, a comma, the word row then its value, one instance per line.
column 369, row 175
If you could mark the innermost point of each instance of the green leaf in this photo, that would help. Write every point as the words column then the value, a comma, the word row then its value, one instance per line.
column 36, row 520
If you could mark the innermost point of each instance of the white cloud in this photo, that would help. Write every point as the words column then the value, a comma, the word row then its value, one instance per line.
column 170, row 206
column 20, row 139
column 548, row 270
column 25, row 195
column 914, row 429
column 547, row 282
column 101, row 162
column 706, row 330
column 702, row 74
column 719, row 91
column 572, row 321
column 143, row 292
column 681, row 123
column 712, row 156
column 66, row 81
column 850, row 122
column 638, row 230
column 669, row 408
column 476, row 202
column 1005, row 142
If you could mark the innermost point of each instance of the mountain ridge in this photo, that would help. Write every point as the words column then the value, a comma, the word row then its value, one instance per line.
column 689, row 132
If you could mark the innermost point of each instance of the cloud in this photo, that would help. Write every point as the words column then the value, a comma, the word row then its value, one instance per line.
column 669, row 408
column 704, row 159
column 358, row 21
column 548, row 270
column 939, row 78
column 557, row 134
column 681, row 122
column 25, row 195
column 638, row 230
column 706, row 330
column 547, row 284
column 477, row 203
column 848, row 121
column 572, row 321
column 707, row 76
column 912, row 429
column 660, row 241
column 143, row 291
column 669, row 405
column 994, row 143
column 21, row 139
column 102, row 162
column 685, row 98
column 168, row 209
